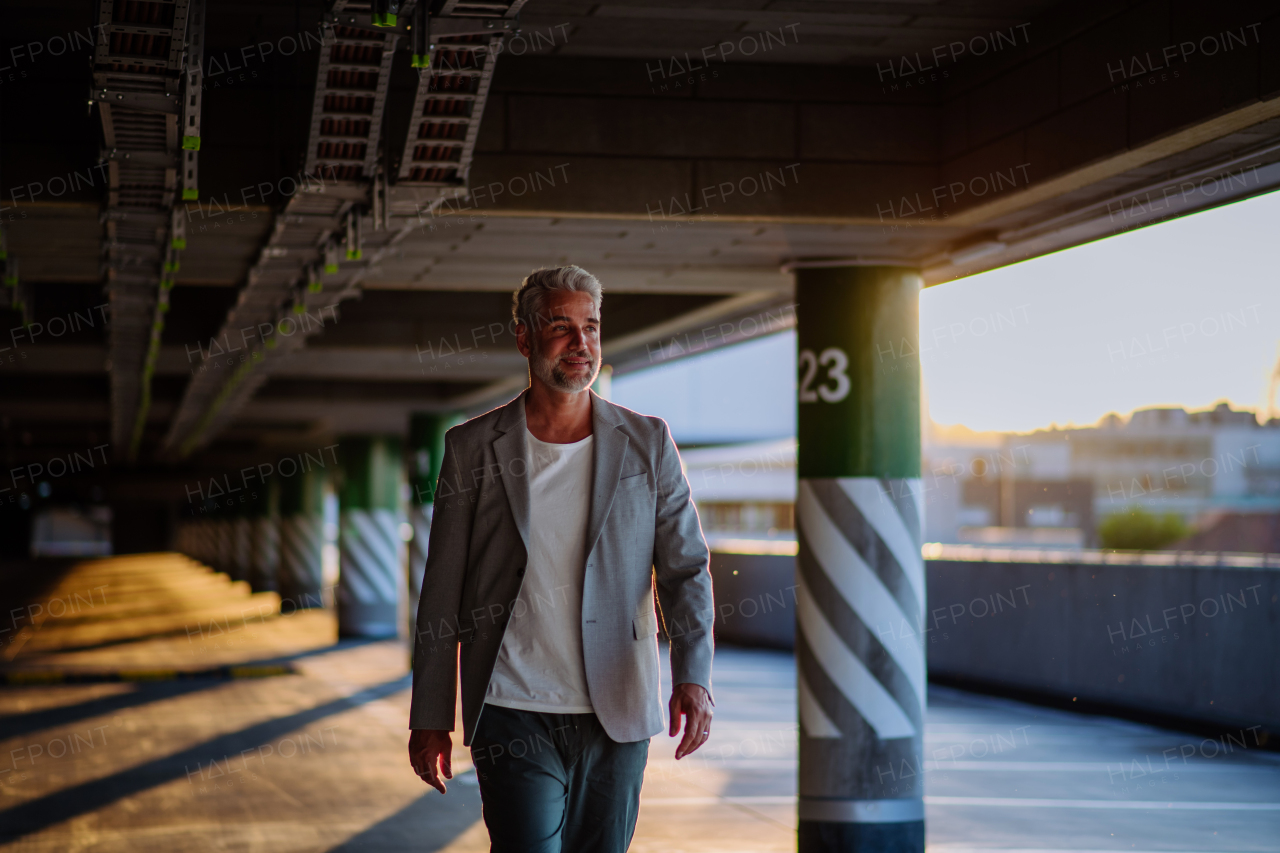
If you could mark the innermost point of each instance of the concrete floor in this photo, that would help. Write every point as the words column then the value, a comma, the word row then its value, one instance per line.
column 315, row 761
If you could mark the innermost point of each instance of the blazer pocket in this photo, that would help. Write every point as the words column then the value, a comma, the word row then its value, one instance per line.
column 644, row 627
column 639, row 476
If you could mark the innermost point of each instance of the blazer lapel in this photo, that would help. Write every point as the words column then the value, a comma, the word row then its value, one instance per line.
column 610, row 449
column 509, row 448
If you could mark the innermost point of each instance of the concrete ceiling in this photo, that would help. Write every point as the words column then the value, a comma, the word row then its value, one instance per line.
column 594, row 149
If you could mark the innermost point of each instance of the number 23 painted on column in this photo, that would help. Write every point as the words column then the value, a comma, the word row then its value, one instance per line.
column 836, row 362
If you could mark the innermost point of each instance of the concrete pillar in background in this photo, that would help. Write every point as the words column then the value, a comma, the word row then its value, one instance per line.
column 196, row 539
column 183, row 539
column 241, row 541
column 603, row 386
column 222, row 548
column 264, row 520
column 860, row 592
column 371, row 575
column 426, row 453
column 206, row 541
column 300, row 576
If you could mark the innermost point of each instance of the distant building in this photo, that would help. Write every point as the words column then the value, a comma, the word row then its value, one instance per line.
column 1198, row 465
column 1046, row 489
column 746, row 495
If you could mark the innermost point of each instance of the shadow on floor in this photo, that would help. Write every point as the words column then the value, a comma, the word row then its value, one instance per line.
column 88, row 797
column 146, row 692
column 428, row 823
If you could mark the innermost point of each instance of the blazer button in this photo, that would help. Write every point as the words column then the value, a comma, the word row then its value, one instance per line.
column 520, row 572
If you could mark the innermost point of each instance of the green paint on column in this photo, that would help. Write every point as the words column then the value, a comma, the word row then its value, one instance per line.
column 370, row 472
column 426, row 452
column 859, row 371
column 302, row 494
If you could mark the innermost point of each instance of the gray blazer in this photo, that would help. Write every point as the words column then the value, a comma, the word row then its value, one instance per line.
column 643, row 537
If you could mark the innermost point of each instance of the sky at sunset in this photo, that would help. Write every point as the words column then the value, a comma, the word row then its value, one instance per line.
column 1184, row 313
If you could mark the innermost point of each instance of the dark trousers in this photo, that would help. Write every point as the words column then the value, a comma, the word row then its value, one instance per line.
column 556, row 783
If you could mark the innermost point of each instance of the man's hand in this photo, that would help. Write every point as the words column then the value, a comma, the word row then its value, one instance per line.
column 693, row 701
column 427, row 748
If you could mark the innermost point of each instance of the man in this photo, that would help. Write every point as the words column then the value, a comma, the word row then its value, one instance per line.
column 558, row 517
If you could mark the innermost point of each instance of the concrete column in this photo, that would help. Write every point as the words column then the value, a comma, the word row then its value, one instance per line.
column 220, row 533
column 301, row 572
column 206, row 542
column 426, row 453
column 197, row 539
column 603, row 386
column 241, row 542
column 182, row 538
column 371, row 581
column 264, row 520
column 860, row 593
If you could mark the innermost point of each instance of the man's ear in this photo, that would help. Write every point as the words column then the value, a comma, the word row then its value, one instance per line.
column 522, row 339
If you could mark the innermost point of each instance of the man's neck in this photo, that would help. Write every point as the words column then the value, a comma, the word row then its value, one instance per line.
column 555, row 416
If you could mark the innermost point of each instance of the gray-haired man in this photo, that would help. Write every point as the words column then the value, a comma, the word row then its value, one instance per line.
column 558, row 517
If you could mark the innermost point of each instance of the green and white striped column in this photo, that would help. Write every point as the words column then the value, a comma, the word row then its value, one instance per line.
column 264, row 520
column 426, row 453
column 371, row 579
column 860, row 593
column 301, row 571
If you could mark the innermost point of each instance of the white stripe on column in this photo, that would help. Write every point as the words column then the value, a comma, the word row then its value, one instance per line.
column 301, row 544
column 842, row 666
column 877, row 508
column 860, row 811
column 815, row 721
column 370, row 552
column 860, row 587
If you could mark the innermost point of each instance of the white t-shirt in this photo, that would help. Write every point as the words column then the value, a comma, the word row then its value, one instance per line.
column 540, row 665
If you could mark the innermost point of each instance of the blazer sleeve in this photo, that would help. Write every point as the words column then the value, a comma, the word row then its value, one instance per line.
column 435, row 658
column 682, row 569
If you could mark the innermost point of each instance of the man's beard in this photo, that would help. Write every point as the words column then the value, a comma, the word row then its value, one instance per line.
column 549, row 371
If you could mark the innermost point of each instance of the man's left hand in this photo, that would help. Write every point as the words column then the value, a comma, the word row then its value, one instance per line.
column 694, row 703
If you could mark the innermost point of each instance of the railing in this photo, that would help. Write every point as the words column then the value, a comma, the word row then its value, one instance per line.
column 1093, row 556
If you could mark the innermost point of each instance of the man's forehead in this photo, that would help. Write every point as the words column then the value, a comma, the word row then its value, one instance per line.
column 569, row 297
column 570, row 306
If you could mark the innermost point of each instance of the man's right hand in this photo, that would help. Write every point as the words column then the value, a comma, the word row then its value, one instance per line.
column 430, row 751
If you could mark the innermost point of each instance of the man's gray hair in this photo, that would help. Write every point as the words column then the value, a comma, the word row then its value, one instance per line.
column 528, row 302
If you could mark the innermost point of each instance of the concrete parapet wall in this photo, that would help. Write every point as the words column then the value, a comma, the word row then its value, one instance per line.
column 755, row 598
column 1193, row 636
column 1193, row 641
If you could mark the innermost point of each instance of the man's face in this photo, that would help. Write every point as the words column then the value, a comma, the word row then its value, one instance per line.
column 564, row 347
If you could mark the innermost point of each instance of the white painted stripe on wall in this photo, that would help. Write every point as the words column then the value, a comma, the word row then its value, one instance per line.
column 1147, row 805
column 1158, row 805
column 860, row 811
column 851, row 677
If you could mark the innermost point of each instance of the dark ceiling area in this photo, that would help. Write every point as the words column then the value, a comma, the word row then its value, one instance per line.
column 687, row 153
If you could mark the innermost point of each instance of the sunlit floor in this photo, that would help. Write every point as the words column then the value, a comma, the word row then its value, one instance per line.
column 315, row 760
